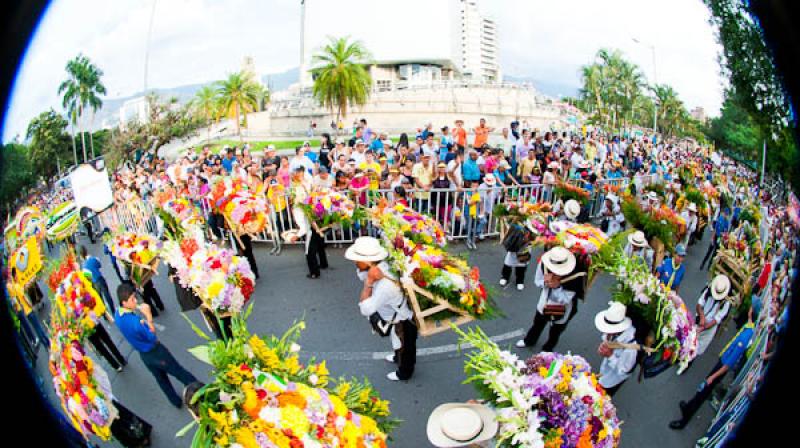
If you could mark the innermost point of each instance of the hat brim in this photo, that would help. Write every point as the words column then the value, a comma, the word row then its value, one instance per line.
column 636, row 243
column 560, row 270
column 605, row 327
column 352, row 254
column 720, row 295
column 437, row 437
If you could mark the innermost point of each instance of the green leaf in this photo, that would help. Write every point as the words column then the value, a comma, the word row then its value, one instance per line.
column 182, row 432
column 201, row 352
column 196, row 329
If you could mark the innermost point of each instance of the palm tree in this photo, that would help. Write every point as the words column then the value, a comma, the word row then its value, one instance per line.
column 205, row 103
column 80, row 90
column 237, row 96
column 670, row 109
column 340, row 75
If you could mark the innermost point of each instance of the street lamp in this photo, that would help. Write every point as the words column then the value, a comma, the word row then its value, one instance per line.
column 655, row 83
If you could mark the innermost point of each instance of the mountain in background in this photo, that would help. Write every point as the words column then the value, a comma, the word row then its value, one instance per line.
column 548, row 88
column 281, row 81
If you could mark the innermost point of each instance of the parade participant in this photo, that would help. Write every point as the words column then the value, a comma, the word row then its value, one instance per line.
column 92, row 264
column 690, row 217
column 316, row 258
column 244, row 248
column 555, row 301
column 383, row 302
column 729, row 359
column 518, row 254
column 141, row 335
column 651, row 201
column 468, row 424
column 719, row 230
column 638, row 247
column 711, row 311
column 618, row 363
column 612, row 217
column 571, row 210
column 672, row 270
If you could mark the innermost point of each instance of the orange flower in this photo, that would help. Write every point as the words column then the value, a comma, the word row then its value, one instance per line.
column 291, row 398
column 586, row 438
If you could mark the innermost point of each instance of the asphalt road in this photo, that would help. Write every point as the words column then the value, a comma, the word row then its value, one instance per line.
column 337, row 332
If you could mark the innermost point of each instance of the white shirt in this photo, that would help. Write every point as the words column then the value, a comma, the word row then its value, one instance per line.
column 304, row 162
column 359, row 157
column 386, row 299
column 715, row 310
column 617, row 368
column 320, row 183
column 558, row 295
column 645, row 254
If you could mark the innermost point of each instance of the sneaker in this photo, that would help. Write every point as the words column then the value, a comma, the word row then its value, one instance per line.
column 392, row 376
column 503, row 282
column 390, row 358
column 520, row 287
column 677, row 424
column 521, row 344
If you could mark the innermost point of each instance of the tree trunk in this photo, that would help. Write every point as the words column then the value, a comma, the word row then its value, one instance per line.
column 83, row 137
column 74, row 147
column 91, row 137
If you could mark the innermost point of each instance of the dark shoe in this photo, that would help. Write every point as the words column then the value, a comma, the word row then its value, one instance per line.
column 677, row 424
column 325, row 267
column 311, row 276
column 682, row 405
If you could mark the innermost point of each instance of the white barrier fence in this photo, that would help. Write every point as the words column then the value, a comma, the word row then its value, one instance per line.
column 450, row 207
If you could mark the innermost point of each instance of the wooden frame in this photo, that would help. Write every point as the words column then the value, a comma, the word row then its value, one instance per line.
column 429, row 327
column 738, row 272
column 148, row 271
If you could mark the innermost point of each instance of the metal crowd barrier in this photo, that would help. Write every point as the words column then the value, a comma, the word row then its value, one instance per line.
column 448, row 206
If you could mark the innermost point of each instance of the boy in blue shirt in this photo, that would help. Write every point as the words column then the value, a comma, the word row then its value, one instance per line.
column 672, row 270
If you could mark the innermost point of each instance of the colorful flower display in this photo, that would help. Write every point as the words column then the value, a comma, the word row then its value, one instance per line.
column 245, row 211
column 535, row 216
column 550, row 400
column 76, row 300
column 82, row 386
column 30, row 223
column 327, row 208
column 581, row 239
column 222, row 280
column 135, row 248
column 419, row 228
column 565, row 191
column 62, row 221
column 262, row 396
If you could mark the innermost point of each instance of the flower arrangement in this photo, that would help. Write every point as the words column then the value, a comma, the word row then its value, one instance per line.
column 661, row 308
column 550, row 400
column 81, row 386
column 139, row 252
column 59, row 269
column 751, row 214
column 419, row 228
column 433, row 269
column 62, row 221
column 327, row 208
column 76, row 300
column 243, row 209
column 657, row 188
column 662, row 224
column 581, row 239
column 30, row 223
column 566, row 191
column 262, row 396
column 536, row 215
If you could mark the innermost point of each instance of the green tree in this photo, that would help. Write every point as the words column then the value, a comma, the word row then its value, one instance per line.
column 49, row 143
column 238, row 95
column 340, row 75
column 16, row 172
column 611, row 88
column 205, row 104
column 81, row 92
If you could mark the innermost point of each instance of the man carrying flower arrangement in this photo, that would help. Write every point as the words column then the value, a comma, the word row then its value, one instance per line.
column 618, row 362
column 382, row 301
column 316, row 258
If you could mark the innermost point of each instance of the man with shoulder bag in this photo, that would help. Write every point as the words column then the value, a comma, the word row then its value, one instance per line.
column 518, row 254
column 556, row 267
column 383, row 302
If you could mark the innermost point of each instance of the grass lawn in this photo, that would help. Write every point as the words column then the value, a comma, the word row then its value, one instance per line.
column 258, row 146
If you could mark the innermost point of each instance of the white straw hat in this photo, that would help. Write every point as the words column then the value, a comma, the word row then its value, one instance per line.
column 461, row 424
column 613, row 319
column 653, row 196
column 720, row 287
column 489, row 179
column 559, row 261
column 637, row 239
column 367, row 249
column 572, row 209
column 692, row 207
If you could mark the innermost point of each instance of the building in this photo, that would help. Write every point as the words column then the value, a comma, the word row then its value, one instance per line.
column 699, row 114
column 135, row 109
column 249, row 69
column 451, row 41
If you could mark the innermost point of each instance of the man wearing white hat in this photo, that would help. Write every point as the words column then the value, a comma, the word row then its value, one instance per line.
column 571, row 210
column 712, row 308
column 638, row 247
column 690, row 217
column 612, row 215
column 555, row 302
column 453, row 425
column 518, row 254
column 382, row 297
column 618, row 363
column 650, row 201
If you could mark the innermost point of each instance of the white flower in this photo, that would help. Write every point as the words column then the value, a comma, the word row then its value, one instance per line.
column 271, row 415
column 225, row 397
column 294, row 348
column 313, row 379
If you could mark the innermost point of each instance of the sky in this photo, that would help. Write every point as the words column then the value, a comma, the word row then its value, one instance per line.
column 197, row 41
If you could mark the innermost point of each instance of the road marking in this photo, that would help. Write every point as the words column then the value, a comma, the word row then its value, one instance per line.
column 429, row 351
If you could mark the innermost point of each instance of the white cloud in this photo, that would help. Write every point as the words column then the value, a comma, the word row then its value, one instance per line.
column 197, row 41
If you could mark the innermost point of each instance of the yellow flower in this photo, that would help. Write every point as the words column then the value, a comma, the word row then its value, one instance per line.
column 246, row 438
column 278, row 438
column 214, row 289
column 543, row 372
column 222, row 440
column 322, row 369
column 294, row 419
column 363, row 397
column 250, row 398
column 265, row 354
column 350, row 435
column 603, row 433
column 381, row 408
column 233, row 375
column 292, row 365
column 338, row 406
column 259, row 425
column 308, row 393
column 368, row 425
column 342, row 389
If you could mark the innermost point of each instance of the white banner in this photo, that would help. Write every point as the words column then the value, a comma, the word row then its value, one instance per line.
column 91, row 188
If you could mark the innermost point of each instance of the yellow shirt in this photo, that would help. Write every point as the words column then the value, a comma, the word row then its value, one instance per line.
column 526, row 167
column 425, row 177
column 277, row 197
column 364, row 166
column 18, row 297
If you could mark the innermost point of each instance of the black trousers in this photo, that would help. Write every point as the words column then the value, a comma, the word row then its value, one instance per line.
column 214, row 322
column 613, row 390
column 316, row 257
column 406, row 356
column 152, row 298
column 246, row 250
column 215, row 223
column 102, row 343
column 539, row 322
column 712, row 249
column 160, row 362
column 701, row 395
column 519, row 272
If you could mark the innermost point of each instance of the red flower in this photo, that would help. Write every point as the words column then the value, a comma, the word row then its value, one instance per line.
column 245, row 368
column 216, row 264
column 667, row 354
column 247, row 288
column 261, row 394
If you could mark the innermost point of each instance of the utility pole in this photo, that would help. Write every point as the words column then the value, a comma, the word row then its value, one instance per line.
column 763, row 162
column 655, row 83
column 147, row 44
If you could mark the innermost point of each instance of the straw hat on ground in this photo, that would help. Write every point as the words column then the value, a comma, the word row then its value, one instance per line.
column 613, row 320
column 366, row 249
column 559, row 261
column 572, row 209
column 637, row 239
column 461, row 424
column 720, row 287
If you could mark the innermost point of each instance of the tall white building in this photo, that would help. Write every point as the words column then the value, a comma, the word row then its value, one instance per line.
column 479, row 55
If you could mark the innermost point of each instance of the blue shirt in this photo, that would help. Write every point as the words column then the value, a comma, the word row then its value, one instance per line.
column 470, row 170
column 227, row 164
column 376, row 146
column 92, row 265
column 666, row 270
column 737, row 348
column 135, row 330
column 722, row 225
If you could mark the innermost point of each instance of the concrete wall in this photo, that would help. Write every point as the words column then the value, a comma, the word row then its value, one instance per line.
column 406, row 110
